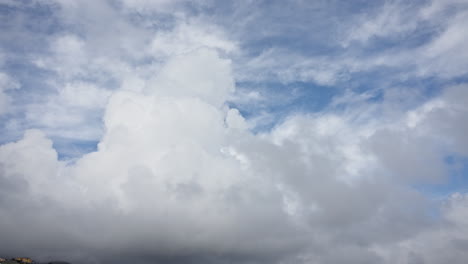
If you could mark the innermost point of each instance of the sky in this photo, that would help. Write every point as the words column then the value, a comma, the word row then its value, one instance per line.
column 240, row 132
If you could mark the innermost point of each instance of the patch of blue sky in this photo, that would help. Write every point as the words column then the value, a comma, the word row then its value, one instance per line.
column 33, row 89
column 283, row 100
column 308, row 97
column 155, row 22
column 421, row 35
column 383, row 79
column 429, row 86
column 463, row 79
column 29, row 75
column 7, row 134
column 309, row 27
column 71, row 149
column 27, row 26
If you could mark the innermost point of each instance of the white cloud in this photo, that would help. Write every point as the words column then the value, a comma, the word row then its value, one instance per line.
column 160, row 157
column 201, row 74
column 177, row 175
column 73, row 112
column 187, row 37
column 102, row 59
column 390, row 20
column 445, row 55
column 75, row 59
column 84, row 95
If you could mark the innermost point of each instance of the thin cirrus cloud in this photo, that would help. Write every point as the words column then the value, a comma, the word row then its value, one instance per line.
column 136, row 132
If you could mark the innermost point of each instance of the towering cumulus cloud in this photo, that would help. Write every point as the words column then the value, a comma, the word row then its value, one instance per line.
column 162, row 132
column 165, row 181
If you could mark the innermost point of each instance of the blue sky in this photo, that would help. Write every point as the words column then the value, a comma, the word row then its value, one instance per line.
column 303, row 131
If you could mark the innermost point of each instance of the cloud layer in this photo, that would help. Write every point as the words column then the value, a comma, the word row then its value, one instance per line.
column 181, row 172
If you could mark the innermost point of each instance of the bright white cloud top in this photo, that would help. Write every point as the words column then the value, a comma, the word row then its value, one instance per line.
column 234, row 132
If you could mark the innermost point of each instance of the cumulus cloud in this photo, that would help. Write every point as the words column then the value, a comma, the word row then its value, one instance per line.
column 159, row 168
column 179, row 176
